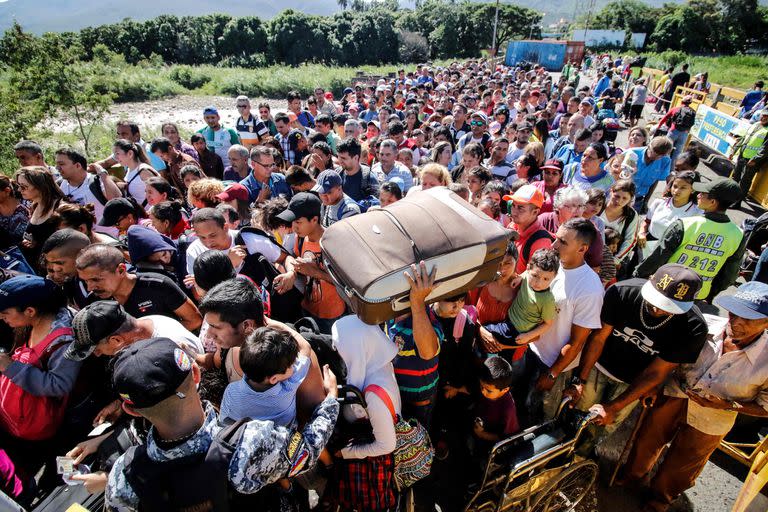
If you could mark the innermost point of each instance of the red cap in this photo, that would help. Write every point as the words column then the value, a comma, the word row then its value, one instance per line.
column 527, row 194
column 234, row 191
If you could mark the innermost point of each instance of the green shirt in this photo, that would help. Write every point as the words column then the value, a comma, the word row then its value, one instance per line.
column 531, row 308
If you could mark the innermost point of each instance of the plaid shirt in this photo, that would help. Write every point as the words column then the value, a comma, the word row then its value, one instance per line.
column 285, row 145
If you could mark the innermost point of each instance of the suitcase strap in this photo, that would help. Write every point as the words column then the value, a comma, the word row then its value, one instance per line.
column 416, row 251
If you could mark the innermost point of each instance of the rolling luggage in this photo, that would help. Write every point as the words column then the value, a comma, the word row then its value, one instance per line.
column 367, row 254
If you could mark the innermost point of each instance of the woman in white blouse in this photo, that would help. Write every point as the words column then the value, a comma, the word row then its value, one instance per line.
column 677, row 202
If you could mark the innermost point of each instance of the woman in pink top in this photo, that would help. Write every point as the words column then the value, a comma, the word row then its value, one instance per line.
column 552, row 171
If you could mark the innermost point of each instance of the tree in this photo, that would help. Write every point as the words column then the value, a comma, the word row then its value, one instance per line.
column 514, row 22
column 631, row 15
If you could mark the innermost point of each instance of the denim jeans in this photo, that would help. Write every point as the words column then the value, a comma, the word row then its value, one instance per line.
column 678, row 138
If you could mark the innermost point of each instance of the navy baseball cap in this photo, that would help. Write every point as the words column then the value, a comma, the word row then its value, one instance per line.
column 149, row 371
column 303, row 204
column 326, row 181
column 210, row 110
column 750, row 301
column 26, row 290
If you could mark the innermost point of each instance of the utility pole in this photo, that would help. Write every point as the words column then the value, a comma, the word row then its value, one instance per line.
column 495, row 25
column 589, row 19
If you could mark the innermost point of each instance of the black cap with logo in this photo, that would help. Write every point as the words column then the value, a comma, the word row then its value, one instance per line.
column 672, row 288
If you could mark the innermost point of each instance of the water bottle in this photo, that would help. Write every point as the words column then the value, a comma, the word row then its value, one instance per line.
column 628, row 165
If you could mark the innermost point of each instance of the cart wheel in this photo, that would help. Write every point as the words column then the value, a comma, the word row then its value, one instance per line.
column 567, row 490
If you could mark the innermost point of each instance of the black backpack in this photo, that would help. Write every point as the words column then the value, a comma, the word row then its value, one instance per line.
column 322, row 345
column 528, row 245
column 285, row 307
column 685, row 119
column 196, row 482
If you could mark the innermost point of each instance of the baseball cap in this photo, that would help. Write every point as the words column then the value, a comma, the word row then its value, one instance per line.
column 527, row 194
column 553, row 164
column 481, row 115
column 494, row 127
column 210, row 110
column 672, row 288
column 374, row 123
column 149, row 371
column 687, row 99
column 750, row 301
column 348, row 90
column 92, row 324
column 326, row 181
column 303, row 204
column 724, row 190
column 524, row 126
column 114, row 209
column 234, row 191
column 25, row 290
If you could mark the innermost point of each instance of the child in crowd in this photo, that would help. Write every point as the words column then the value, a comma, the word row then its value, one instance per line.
column 612, row 240
column 495, row 411
column 273, row 370
column 533, row 311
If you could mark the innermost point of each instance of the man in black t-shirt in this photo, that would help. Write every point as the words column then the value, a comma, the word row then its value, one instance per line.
column 103, row 270
column 648, row 329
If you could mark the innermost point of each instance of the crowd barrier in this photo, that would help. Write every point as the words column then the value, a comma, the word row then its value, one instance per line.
column 716, row 123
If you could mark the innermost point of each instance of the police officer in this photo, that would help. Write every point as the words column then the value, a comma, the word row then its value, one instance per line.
column 186, row 464
column 752, row 152
column 710, row 244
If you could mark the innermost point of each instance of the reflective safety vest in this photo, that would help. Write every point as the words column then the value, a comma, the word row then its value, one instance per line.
column 754, row 142
column 705, row 247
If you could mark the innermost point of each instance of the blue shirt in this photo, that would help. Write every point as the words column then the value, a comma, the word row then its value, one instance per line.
column 398, row 171
column 277, row 404
column 573, row 176
column 602, row 85
column 649, row 173
column 568, row 155
column 277, row 184
column 751, row 99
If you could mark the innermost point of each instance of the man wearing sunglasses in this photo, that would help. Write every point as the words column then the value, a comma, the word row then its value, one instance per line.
column 261, row 182
column 649, row 328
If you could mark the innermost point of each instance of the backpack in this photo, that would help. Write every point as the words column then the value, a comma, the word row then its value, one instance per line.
column 528, row 245
column 23, row 414
column 95, row 188
column 322, row 345
column 684, row 119
column 195, row 482
column 285, row 307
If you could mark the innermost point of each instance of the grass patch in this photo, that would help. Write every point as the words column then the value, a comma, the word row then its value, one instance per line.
column 740, row 71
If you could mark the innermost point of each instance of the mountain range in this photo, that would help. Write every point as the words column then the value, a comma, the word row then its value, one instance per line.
column 38, row 16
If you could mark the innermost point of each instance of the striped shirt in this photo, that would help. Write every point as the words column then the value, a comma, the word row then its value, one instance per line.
column 277, row 403
column 416, row 377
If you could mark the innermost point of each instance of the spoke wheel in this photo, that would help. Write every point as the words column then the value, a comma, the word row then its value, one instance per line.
column 565, row 492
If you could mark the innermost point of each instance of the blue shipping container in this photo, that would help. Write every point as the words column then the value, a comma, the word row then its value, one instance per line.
column 549, row 54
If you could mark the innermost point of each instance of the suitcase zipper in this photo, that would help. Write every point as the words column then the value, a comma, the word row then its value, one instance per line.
column 416, row 251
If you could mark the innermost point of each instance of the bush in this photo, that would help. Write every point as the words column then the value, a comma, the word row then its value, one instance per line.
column 133, row 84
column 189, row 77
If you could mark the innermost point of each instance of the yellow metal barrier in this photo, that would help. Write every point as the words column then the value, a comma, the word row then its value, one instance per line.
column 757, row 477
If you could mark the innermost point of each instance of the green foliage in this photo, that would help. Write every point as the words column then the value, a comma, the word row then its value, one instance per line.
column 413, row 47
column 740, row 71
column 189, row 77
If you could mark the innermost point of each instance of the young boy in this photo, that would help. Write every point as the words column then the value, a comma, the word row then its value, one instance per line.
column 495, row 412
column 533, row 311
column 273, row 369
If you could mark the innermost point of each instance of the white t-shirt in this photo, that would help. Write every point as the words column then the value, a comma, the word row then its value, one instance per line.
column 165, row 327
column 579, row 297
column 83, row 195
column 662, row 213
column 253, row 242
column 136, row 187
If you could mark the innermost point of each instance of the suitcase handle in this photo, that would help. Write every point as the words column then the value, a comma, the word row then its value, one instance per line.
column 416, row 251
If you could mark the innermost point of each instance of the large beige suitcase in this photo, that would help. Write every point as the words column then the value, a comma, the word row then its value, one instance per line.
column 367, row 254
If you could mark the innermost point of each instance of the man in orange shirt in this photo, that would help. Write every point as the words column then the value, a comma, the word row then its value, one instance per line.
column 321, row 300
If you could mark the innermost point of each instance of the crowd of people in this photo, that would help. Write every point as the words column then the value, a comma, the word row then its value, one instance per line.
column 173, row 296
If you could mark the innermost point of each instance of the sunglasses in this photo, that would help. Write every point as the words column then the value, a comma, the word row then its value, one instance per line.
column 477, row 123
column 273, row 165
